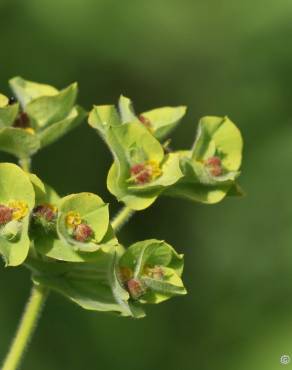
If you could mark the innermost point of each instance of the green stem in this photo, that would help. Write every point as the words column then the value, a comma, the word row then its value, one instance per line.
column 25, row 164
column 121, row 218
column 26, row 328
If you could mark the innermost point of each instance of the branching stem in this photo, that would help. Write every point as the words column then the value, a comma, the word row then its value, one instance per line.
column 121, row 218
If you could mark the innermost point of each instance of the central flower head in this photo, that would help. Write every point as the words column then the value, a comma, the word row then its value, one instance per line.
column 19, row 209
column 80, row 230
column 143, row 173
column 214, row 165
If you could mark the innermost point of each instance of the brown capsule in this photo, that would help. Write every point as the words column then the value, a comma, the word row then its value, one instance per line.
column 135, row 288
column 6, row 214
column 82, row 232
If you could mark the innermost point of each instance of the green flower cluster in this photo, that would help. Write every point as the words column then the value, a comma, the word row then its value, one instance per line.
column 40, row 115
column 69, row 243
column 145, row 168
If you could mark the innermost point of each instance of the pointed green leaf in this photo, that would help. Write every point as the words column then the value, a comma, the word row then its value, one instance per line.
column 163, row 120
column 26, row 91
column 55, row 131
column 126, row 110
column 159, row 121
column 46, row 110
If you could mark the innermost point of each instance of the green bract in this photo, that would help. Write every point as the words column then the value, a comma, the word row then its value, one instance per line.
column 160, row 121
column 108, row 281
column 212, row 166
column 151, row 271
column 43, row 115
column 17, row 199
column 141, row 170
column 93, row 285
column 76, row 215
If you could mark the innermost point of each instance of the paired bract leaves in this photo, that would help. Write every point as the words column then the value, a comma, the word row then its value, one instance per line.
column 60, row 242
column 46, row 114
column 93, row 285
column 141, row 170
column 151, row 270
column 99, row 283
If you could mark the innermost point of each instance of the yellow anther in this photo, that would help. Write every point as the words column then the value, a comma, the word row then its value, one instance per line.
column 30, row 130
column 19, row 209
column 73, row 219
column 154, row 169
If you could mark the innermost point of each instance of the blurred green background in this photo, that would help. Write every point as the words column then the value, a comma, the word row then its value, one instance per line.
column 217, row 57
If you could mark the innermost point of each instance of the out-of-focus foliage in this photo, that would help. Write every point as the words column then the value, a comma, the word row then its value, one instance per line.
column 217, row 58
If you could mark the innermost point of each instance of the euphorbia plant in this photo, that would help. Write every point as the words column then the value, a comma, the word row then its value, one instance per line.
column 69, row 243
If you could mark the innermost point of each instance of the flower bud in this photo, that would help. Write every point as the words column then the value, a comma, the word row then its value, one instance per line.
column 45, row 215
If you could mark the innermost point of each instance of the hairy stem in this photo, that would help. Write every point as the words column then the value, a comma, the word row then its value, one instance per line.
column 121, row 218
column 26, row 328
column 25, row 164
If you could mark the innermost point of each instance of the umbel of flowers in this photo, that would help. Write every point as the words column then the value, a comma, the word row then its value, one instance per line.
column 69, row 243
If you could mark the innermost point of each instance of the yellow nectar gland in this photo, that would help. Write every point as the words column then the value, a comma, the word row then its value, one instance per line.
column 19, row 209
column 154, row 167
column 30, row 130
column 73, row 219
